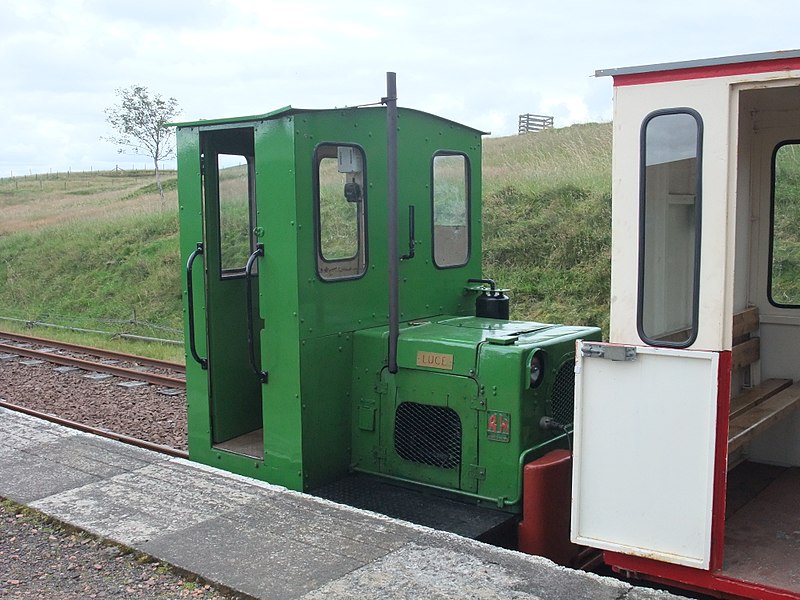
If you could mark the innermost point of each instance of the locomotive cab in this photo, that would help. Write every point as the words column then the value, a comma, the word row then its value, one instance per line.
column 284, row 227
column 699, row 483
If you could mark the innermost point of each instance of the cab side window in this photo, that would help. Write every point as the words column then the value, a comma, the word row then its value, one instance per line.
column 784, row 260
column 451, row 209
column 340, row 190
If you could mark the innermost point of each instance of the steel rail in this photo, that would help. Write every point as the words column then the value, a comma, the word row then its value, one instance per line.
column 70, row 361
column 120, row 437
column 142, row 360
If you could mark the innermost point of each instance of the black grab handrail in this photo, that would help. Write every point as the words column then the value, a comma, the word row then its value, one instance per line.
column 259, row 251
column 192, row 342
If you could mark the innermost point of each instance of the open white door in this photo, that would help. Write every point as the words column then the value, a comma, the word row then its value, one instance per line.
column 645, row 423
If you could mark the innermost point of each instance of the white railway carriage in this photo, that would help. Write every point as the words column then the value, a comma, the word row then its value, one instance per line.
column 687, row 448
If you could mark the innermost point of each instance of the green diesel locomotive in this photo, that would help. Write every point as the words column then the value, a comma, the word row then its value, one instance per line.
column 336, row 319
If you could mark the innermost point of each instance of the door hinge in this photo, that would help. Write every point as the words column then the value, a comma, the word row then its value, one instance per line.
column 477, row 472
column 609, row 352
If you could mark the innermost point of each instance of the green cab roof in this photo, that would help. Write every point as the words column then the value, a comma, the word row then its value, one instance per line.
column 286, row 111
column 279, row 112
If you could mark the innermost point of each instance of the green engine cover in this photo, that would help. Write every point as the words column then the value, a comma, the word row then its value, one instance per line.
column 461, row 413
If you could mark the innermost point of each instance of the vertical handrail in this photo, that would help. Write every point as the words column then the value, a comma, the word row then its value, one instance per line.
column 412, row 242
column 391, row 198
column 248, row 273
column 190, row 293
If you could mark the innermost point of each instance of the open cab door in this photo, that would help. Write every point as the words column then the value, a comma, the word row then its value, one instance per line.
column 643, row 459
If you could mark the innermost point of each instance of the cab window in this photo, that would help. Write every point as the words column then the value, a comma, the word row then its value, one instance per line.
column 451, row 207
column 236, row 181
column 340, row 190
column 784, row 273
column 669, row 227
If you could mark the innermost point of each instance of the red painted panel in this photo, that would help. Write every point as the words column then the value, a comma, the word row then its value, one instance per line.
column 721, row 460
column 546, row 495
column 762, row 66
column 693, row 579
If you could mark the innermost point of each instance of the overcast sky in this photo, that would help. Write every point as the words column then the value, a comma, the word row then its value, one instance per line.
column 478, row 62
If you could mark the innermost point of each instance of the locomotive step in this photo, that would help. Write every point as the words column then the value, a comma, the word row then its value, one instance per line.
column 420, row 507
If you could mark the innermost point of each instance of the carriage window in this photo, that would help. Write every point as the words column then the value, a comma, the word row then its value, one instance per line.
column 340, row 211
column 669, row 227
column 450, row 210
column 784, row 277
column 236, row 180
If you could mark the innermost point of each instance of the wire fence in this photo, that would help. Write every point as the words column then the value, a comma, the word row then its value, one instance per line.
column 72, row 180
column 145, row 167
column 131, row 329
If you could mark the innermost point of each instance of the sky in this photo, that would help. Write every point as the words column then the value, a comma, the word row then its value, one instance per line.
column 482, row 63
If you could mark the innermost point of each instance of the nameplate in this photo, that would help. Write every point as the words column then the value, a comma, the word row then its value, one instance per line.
column 434, row 360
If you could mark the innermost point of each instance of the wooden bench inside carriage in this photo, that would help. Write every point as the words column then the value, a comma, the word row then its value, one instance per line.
column 755, row 409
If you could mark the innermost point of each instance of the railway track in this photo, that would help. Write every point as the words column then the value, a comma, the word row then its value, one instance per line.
column 123, row 407
column 99, row 431
column 110, row 362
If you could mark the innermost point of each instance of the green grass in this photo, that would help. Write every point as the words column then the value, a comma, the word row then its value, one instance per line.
column 106, row 270
column 90, row 249
column 547, row 222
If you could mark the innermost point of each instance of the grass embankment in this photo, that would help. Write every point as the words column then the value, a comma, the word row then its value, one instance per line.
column 89, row 250
column 96, row 256
column 547, row 222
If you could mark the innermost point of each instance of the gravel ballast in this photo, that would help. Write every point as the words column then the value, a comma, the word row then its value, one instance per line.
column 41, row 560
column 141, row 412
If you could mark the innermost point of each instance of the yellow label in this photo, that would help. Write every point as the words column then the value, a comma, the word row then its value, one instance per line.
column 433, row 360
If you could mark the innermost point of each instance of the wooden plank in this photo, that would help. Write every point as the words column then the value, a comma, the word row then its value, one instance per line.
column 745, row 322
column 756, row 395
column 743, row 428
column 746, row 353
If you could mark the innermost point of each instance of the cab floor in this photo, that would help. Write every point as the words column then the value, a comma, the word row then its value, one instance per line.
column 762, row 531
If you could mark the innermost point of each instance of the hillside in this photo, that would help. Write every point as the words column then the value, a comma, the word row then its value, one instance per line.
column 97, row 251
column 547, row 222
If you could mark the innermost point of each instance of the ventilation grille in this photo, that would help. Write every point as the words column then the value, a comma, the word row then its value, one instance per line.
column 563, row 400
column 430, row 435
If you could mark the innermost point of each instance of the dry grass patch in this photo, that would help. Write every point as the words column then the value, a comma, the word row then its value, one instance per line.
column 30, row 203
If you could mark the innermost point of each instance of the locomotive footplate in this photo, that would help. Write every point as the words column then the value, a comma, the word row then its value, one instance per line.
column 423, row 508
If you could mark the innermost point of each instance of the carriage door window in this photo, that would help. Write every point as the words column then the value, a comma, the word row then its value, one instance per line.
column 784, row 276
column 669, row 227
column 235, row 176
column 450, row 210
column 340, row 211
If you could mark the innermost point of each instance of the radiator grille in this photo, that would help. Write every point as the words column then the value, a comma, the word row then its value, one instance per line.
column 430, row 435
column 563, row 400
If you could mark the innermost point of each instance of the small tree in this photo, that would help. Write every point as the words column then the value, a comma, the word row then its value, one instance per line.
column 140, row 122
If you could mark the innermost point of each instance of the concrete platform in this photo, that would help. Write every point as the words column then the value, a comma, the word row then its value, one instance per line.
column 263, row 540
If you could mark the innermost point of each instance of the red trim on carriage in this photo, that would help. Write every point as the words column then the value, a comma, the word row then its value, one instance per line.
column 761, row 66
